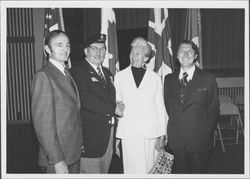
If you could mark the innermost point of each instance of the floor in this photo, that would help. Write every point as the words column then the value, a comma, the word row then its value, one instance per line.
column 230, row 162
column 22, row 146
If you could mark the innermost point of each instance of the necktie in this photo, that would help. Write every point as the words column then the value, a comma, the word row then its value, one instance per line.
column 67, row 75
column 69, row 79
column 184, row 81
column 101, row 75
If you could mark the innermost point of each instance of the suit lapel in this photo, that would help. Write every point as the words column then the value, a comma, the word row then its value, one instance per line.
column 132, row 80
column 76, row 92
column 93, row 72
column 109, row 84
column 176, row 86
column 64, row 82
column 143, row 81
column 194, row 83
column 108, row 87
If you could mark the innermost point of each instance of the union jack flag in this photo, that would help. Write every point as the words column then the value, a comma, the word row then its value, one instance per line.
column 159, row 38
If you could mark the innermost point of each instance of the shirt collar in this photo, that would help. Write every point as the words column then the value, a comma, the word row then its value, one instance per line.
column 58, row 65
column 190, row 73
column 94, row 66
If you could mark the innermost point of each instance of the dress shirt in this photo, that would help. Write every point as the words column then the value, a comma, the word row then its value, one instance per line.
column 58, row 65
column 95, row 67
column 190, row 73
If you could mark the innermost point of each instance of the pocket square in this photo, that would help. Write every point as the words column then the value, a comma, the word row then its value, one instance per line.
column 94, row 79
column 202, row 89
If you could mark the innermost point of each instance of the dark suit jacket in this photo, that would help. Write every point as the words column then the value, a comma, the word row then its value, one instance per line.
column 98, row 107
column 56, row 117
column 192, row 122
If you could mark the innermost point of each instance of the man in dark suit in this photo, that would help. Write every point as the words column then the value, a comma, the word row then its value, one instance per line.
column 56, row 110
column 191, row 99
column 97, row 93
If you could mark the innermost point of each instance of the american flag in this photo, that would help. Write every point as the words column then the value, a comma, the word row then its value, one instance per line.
column 53, row 21
column 108, row 27
column 193, row 31
column 160, row 40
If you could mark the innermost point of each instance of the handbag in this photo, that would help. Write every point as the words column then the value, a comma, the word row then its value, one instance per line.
column 163, row 163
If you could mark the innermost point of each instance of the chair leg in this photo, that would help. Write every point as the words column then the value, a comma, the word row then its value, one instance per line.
column 237, row 135
column 222, row 144
column 241, row 125
column 215, row 134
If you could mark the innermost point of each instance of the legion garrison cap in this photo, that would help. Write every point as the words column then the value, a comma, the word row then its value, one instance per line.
column 96, row 38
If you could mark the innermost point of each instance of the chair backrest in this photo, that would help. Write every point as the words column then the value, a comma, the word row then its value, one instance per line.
column 239, row 99
column 225, row 99
column 229, row 109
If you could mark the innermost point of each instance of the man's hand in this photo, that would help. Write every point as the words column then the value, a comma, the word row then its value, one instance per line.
column 61, row 168
column 119, row 108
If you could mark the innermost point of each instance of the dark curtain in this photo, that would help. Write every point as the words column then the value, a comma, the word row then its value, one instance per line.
column 223, row 38
column 222, row 33
column 80, row 24
column 127, row 18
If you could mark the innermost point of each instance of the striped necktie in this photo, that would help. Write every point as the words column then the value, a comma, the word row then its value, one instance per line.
column 100, row 74
column 184, row 81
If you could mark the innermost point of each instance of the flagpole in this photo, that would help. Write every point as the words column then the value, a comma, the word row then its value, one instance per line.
column 61, row 19
column 200, row 38
column 63, row 29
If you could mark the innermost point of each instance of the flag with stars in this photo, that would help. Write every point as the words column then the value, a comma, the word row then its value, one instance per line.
column 108, row 27
column 193, row 31
column 159, row 38
column 53, row 21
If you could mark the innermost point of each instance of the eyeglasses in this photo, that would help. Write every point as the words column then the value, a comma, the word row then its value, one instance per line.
column 189, row 53
column 102, row 49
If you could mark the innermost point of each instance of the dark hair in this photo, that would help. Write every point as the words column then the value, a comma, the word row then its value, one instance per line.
column 194, row 47
column 51, row 35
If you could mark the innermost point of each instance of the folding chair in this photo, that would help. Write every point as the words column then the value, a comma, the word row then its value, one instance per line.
column 228, row 113
column 239, row 102
column 225, row 99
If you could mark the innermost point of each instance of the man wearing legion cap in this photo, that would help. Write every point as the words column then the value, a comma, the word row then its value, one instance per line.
column 99, row 106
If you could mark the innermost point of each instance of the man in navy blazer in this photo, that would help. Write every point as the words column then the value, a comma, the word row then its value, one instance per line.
column 191, row 100
column 97, row 93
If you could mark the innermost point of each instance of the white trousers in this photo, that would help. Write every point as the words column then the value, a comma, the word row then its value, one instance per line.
column 138, row 155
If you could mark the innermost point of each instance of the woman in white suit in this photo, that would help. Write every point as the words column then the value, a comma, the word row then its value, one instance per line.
column 143, row 125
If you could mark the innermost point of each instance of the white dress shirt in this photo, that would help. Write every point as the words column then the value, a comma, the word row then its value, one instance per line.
column 58, row 65
column 95, row 67
column 190, row 73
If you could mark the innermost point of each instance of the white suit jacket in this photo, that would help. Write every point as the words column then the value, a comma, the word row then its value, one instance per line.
column 145, row 113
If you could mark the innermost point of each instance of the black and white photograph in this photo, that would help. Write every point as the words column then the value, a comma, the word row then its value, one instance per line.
column 124, row 89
